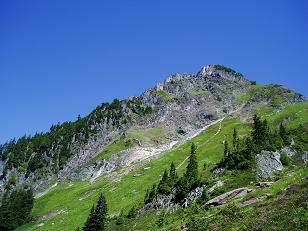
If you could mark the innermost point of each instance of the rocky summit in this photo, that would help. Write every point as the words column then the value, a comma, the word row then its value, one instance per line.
column 183, row 155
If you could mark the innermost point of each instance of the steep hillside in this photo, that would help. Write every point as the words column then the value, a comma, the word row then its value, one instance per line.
column 122, row 148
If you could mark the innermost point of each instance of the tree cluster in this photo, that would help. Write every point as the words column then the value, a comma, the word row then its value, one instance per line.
column 29, row 153
column 183, row 185
column 15, row 209
column 241, row 154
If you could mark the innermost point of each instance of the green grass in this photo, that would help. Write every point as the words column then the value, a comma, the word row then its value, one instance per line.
column 132, row 138
column 276, row 95
column 243, row 98
column 164, row 94
column 130, row 190
column 115, row 147
column 199, row 92
column 148, row 136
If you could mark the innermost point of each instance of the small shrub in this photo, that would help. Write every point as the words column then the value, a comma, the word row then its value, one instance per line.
column 285, row 160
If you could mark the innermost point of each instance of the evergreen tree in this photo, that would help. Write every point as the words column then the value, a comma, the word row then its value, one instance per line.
column 235, row 141
column 132, row 213
column 163, row 186
column 284, row 135
column 15, row 209
column 226, row 149
column 152, row 194
column 89, row 225
column 190, row 179
column 98, row 216
column 172, row 175
column 191, row 174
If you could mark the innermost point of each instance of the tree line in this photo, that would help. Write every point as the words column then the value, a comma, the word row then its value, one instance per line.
column 28, row 153
column 241, row 153
column 15, row 209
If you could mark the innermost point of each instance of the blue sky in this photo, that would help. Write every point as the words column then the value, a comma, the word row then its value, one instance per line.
column 61, row 58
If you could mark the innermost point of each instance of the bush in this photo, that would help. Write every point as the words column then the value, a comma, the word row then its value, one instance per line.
column 285, row 160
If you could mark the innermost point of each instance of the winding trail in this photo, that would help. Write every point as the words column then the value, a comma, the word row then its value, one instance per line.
column 211, row 124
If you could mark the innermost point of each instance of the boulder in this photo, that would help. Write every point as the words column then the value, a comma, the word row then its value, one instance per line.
column 268, row 162
column 305, row 157
column 219, row 200
column 216, row 185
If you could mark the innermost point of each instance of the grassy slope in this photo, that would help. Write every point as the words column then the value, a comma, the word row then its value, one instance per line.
column 131, row 190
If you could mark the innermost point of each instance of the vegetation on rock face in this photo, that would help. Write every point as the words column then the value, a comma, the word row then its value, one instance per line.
column 15, row 209
column 29, row 153
column 228, row 70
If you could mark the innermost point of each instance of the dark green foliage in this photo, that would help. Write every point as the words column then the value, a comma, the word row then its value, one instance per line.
column 260, row 134
column 285, row 160
column 15, row 209
column 191, row 174
column 226, row 148
column 98, row 216
column 253, row 82
column 284, row 135
column 164, row 185
column 228, row 70
column 235, row 141
column 151, row 194
column 172, row 175
column 242, row 154
column 190, row 180
column 132, row 213
column 300, row 137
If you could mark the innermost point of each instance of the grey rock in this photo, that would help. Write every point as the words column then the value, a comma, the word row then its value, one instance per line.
column 268, row 163
column 216, row 185
column 228, row 196
column 305, row 157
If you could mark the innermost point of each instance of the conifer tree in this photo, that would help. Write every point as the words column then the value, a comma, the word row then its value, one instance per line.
column 235, row 140
column 163, row 186
column 98, row 216
column 89, row 224
column 226, row 149
column 172, row 175
column 191, row 174
column 283, row 134
column 152, row 194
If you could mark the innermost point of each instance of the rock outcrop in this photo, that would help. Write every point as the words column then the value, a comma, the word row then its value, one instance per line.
column 268, row 163
column 219, row 200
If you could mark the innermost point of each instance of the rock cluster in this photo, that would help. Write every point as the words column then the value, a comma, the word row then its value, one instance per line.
column 268, row 162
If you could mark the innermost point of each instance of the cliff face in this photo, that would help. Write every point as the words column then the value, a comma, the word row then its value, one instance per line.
column 148, row 125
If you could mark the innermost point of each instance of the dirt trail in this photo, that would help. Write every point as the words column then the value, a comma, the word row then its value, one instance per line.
column 219, row 129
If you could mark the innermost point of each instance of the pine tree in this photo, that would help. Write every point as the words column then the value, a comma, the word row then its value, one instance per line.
column 191, row 174
column 152, row 194
column 163, row 186
column 256, row 129
column 146, row 197
column 284, row 135
column 226, row 149
column 98, row 216
column 88, row 226
column 190, row 178
column 172, row 175
column 235, row 140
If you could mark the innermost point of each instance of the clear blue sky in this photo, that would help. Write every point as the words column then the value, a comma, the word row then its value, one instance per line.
column 61, row 58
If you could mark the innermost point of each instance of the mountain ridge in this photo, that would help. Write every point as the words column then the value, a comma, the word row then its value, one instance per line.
column 185, row 102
